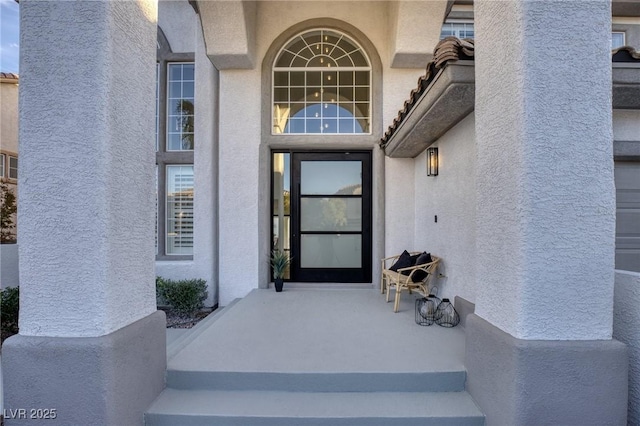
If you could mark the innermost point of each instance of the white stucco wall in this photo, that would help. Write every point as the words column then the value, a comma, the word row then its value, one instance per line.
column 238, row 186
column 399, row 172
column 452, row 197
column 546, row 205
column 230, row 33
column 86, row 170
column 626, row 328
column 399, row 206
column 205, row 250
column 179, row 24
column 274, row 17
column 9, row 273
column 411, row 48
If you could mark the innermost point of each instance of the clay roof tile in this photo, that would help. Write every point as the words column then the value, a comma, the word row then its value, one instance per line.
column 9, row 76
column 448, row 49
column 454, row 49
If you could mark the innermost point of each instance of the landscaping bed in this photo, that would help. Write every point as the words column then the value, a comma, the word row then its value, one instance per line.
column 175, row 319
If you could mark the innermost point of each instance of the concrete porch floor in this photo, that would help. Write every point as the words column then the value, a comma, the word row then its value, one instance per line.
column 319, row 331
column 316, row 356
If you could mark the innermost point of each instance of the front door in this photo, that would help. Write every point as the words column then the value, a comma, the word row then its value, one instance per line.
column 330, row 216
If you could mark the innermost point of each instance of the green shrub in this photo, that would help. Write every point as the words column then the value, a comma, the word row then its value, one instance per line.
column 160, row 286
column 185, row 296
column 8, row 210
column 9, row 306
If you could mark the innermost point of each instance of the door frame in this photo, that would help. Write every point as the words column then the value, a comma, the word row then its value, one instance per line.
column 331, row 275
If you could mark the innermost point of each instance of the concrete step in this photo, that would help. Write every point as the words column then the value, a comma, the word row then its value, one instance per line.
column 449, row 381
column 275, row 408
column 305, row 357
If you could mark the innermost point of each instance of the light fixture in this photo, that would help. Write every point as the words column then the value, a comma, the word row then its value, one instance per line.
column 432, row 161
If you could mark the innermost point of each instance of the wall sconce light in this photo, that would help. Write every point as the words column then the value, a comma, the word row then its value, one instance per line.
column 432, row 161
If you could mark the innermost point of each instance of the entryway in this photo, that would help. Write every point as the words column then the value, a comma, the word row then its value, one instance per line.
column 321, row 214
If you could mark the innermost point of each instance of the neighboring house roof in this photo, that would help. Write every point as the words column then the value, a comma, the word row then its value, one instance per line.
column 446, row 94
column 355, row 189
column 9, row 76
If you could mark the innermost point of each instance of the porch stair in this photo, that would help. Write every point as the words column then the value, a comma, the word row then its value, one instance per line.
column 348, row 361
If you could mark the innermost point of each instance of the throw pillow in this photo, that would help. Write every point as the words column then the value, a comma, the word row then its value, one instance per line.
column 418, row 259
column 423, row 258
column 420, row 275
column 413, row 258
column 404, row 261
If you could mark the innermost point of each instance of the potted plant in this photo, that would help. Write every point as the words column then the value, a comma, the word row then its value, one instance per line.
column 280, row 260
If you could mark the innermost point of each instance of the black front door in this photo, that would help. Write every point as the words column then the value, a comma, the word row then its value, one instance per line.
column 331, row 216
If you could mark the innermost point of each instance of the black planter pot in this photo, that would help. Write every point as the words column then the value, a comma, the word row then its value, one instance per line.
column 278, row 282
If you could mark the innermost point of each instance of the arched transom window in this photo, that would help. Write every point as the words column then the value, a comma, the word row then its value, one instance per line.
column 321, row 85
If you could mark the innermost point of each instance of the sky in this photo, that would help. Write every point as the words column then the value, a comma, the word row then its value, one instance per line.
column 9, row 36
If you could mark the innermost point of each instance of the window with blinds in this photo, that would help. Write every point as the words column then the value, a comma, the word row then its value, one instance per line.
column 179, row 209
column 459, row 29
column 13, row 167
column 175, row 142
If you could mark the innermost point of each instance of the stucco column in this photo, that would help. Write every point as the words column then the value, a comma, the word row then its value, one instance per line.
column 91, row 343
column 240, row 162
column 205, row 249
column 541, row 339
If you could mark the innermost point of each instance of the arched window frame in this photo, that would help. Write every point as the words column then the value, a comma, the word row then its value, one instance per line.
column 339, row 107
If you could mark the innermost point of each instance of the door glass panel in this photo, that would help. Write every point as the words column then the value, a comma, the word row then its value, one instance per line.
column 331, row 214
column 281, row 204
column 331, row 251
column 330, row 177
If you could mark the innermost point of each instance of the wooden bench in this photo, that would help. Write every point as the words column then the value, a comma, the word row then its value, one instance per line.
column 403, row 279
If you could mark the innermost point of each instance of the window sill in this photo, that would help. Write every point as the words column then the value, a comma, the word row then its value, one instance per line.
column 171, row 258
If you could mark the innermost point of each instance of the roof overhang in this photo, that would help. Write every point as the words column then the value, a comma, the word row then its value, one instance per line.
column 450, row 97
